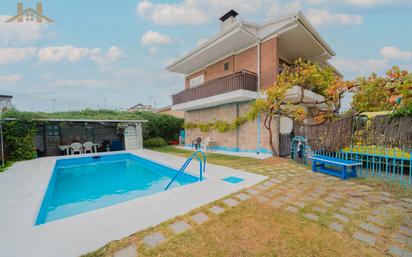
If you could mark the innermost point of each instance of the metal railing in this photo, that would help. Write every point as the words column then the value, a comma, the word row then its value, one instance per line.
column 202, row 167
column 240, row 80
column 388, row 164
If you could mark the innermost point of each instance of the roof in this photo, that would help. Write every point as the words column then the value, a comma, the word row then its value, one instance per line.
column 6, row 96
column 29, row 10
column 243, row 34
column 165, row 108
column 84, row 120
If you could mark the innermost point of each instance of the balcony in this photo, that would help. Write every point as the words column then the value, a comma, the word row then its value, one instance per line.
column 240, row 86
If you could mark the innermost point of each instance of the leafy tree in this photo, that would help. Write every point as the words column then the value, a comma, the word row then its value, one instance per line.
column 392, row 92
column 309, row 76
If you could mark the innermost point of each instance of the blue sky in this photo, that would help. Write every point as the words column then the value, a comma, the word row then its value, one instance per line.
column 113, row 53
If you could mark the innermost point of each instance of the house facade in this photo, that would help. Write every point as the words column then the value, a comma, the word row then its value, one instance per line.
column 229, row 71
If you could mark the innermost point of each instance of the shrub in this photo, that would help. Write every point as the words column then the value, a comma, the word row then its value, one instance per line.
column 154, row 142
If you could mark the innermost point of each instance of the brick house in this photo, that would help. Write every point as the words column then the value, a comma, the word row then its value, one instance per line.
column 226, row 73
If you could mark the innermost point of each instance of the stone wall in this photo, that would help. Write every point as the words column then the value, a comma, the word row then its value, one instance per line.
column 245, row 138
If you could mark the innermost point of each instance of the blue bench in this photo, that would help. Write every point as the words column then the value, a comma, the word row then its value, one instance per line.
column 319, row 165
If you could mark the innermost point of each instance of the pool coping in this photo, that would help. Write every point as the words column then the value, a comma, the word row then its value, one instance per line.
column 24, row 184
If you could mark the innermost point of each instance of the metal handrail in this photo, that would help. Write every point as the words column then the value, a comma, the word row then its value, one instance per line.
column 184, row 166
column 204, row 158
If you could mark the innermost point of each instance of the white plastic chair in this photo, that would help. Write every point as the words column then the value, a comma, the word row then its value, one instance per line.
column 76, row 148
column 208, row 143
column 89, row 147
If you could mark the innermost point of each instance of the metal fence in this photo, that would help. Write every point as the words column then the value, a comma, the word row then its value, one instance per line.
column 389, row 164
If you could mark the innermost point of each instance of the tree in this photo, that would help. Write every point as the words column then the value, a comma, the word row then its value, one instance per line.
column 392, row 92
column 309, row 76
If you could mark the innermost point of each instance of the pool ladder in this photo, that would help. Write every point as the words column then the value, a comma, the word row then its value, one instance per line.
column 202, row 166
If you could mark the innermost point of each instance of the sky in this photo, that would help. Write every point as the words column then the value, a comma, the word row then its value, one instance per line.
column 113, row 54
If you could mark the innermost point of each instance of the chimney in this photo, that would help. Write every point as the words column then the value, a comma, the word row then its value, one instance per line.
column 20, row 11
column 228, row 19
column 39, row 11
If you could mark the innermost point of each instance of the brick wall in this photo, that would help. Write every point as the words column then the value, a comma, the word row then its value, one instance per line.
column 244, row 138
column 246, row 60
column 269, row 63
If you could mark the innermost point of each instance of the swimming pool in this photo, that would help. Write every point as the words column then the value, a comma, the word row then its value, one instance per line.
column 79, row 185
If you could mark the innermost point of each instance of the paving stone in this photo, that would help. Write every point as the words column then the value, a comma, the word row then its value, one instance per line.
column 129, row 251
column 375, row 220
column 292, row 209
column 403, row 239
column 401, row 252
column 242, row 196
column 200, row 218
column 216, row 209
column 262, row 199
column 230, row 202
column 340, row 217
column 311, row 216
column 300, row 204
column 253, row 191
column 262, row 187
column 381, row 213
column 405, row 230
column 275, row 180
column 364, row 238
column 179, row 226
column 352, row 205
column 269, row 184
column 284, row 198
column 319, row 209
column 331, row 199
column 347, row 211
column 336, row 226
column 153, row 239
column 370, row 228
column 276, row 203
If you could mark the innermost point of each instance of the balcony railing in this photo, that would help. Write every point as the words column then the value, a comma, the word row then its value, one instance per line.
column 240, row 80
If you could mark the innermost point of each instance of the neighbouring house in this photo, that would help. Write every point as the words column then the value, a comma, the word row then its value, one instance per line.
column 226, row 73
column 168, row 110
column 141, row 108
column 5, row 102
column 29, row 14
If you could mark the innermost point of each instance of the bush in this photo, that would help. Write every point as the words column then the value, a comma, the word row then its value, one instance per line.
column 161, row 125
column 154, row 142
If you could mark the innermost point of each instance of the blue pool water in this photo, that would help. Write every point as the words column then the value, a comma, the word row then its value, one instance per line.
column 83, row 184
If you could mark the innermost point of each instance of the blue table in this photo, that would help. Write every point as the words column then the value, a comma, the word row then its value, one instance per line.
column 319, row 165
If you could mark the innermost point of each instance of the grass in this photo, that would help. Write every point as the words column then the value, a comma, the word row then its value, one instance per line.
column 256, row 229
column 7, row 164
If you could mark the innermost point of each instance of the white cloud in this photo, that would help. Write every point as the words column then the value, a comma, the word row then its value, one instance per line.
column 22, row 33
column 274, row 8
column 65, row 53
column 363, row 3
column 143, row 7
column 391, row 52
column 10, row 55
column 13, row 78
column 323, row 17
column 154, row 38
column 82, row 83
column 201, row 41
column 360, row 67
column 112, row 55
column 184, row 13
column 68, row 53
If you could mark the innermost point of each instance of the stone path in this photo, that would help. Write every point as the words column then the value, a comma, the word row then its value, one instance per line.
column 343, row 206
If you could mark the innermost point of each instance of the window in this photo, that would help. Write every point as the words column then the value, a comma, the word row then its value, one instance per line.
column 226, row 66
column 197, row 81
column 53, row 130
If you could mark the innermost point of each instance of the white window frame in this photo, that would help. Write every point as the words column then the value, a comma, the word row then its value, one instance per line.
column 197, row 81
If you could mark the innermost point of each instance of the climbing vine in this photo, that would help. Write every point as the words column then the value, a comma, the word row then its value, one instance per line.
column 220, row 126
